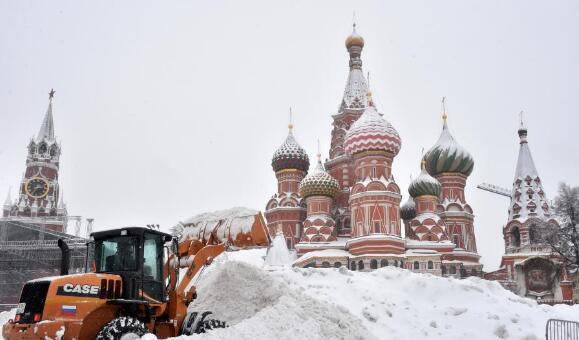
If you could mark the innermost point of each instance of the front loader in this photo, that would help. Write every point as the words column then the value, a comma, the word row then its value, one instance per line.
column 133, row 288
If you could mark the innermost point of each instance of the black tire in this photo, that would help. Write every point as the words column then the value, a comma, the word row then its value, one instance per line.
column 121, row 326
column 200, row 322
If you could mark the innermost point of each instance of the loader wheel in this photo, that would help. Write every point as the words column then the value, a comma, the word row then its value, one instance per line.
column 200, row 322
column 123, row 328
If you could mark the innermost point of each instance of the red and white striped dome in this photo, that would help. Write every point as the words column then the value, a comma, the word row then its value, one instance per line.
column 371, row 132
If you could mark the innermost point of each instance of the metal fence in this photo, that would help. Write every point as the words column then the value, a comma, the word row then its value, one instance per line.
column 562, row 330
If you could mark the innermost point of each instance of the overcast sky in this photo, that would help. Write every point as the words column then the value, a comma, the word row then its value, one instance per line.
column 169, row 109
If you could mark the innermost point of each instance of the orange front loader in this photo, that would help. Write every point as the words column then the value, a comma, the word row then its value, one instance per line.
column 133, row 288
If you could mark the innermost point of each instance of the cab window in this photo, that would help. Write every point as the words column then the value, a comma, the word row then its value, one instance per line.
column 116, row 254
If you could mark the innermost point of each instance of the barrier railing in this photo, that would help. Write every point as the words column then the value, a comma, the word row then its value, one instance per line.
column 561, row 330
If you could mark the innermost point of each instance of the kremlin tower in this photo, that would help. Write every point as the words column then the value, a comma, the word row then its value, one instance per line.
column 39, row 199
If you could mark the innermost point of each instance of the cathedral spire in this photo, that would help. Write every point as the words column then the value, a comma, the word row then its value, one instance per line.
column 528, row 197
column 47, row 128
column 356, row 86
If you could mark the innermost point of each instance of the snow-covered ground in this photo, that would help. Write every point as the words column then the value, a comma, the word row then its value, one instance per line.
column 263, row 302
column 390, row 303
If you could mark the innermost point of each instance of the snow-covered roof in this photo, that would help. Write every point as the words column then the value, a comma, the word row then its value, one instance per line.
column 372, row 132
column 528, row 199
column 319, row 183
column 424, row 184
column 446, row 155
column 355, row 91
column 290, row 155
column 323, row 254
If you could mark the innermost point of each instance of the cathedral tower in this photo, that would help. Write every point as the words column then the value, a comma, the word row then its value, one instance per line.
column 39, row 199
column 451, row 164
column 372, row 142
column 286, row 208
column 353, row 104
column 318, row 189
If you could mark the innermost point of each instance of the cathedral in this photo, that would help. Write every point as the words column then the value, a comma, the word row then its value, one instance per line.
column 348, row 212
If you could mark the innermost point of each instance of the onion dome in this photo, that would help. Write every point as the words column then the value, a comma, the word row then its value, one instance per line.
column 448, row 156
column 319, row 183
column 408, row 209
column 290, row 155
column 354, row 39
column 424, row 185
column 371, row 132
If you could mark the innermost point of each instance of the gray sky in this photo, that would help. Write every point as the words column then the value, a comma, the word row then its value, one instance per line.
column 168, row 109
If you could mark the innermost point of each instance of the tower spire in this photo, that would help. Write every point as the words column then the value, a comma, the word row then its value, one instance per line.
column 444, row 113
column 290, row 125
column 8, row 200
column 47, row 128
column 522, row 129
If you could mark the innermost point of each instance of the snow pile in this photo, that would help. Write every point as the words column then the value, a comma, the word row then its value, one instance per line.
column 258, row 305
column 278, row 254
column 389, row 303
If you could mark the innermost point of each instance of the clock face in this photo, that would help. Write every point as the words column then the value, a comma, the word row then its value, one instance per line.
column 37, row 187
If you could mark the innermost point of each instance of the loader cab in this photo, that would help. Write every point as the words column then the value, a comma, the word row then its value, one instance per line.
column 137, row 255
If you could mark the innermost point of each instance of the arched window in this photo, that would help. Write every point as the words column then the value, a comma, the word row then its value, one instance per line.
column 535, row 235
column 452, row 270
column 289, row 243
column 430, row 265
column 416, row 265
column 374, row 264
column 515, row 237
column 27, row 211
column 401, row 264
column 361, row 265
column 395, row 263
column 42, row 148
column 353, row 265
column 463, row 272
column 53, row 151
column 383, row 263
column 443, row 270
column 325, row 264
column 376, row 227
column 473, row 272
column 337, row 264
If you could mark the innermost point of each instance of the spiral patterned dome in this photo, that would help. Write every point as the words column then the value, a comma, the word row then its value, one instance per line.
column 423, row 185
column 319, row 183
column 290, row 155
column 408, row 209
column 372, row 132
column 448, row 156
column 354, row 39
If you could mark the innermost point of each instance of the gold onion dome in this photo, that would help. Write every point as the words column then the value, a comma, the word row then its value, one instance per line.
column 448, row 156
column 319, row 183
column 408, row 209
column 354, row 39
column 424, row 185
column 290, row 155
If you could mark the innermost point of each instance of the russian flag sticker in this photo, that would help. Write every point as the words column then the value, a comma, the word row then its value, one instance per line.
column 68, row 309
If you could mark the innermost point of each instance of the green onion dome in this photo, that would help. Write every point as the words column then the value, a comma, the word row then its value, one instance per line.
column 448, row 156
column 408, row 209
column 424, row 184
column 290, row 155
column 319, row 183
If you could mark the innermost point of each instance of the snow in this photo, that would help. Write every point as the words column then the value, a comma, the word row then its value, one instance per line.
column 389, row 303
column 278, row 254
column 229, row 223
column 5, row 316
